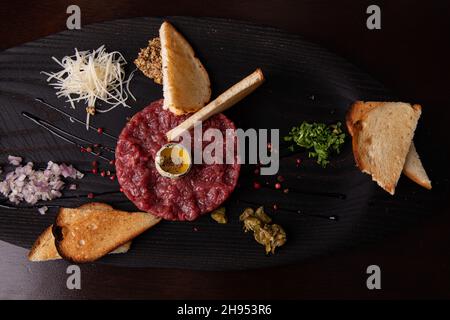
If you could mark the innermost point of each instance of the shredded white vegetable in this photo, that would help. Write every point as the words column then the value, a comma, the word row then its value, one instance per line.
column 92, row 76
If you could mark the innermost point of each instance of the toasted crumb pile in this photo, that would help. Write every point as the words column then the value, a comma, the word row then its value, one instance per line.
column 149, row 61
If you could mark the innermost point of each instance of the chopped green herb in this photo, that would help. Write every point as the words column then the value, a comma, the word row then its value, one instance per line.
column 321, row 138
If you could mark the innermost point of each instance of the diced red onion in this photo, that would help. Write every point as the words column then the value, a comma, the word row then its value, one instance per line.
column 73, row 186
column 15, row 161
column 31, row 186
column 43, row 210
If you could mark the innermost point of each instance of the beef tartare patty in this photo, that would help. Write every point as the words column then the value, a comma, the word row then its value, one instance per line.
column 202, row 190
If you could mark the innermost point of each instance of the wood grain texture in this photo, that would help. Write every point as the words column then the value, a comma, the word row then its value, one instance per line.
column 296, row 71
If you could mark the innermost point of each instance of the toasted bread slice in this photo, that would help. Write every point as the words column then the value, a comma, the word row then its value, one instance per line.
column 96, row 206
column 91, row 231
column 358, row 110
column 227, row 99
column 186, row 84
column 382, row 139
column 44, row 247
column 413, row 168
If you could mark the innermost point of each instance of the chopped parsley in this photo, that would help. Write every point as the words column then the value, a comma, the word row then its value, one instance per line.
column 321, row 138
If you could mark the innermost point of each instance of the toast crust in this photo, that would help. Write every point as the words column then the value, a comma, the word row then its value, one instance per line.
column 89, row 232
column 44, row 248
column 357, row 111
column 370, row 150
column 186, row 83
column 413, row 168
column 224, row 101
column 417, row 179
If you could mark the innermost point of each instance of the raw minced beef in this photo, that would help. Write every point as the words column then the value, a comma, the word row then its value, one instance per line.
column 202, row 190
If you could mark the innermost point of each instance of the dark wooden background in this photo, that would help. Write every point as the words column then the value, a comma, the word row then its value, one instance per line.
column 410, row 55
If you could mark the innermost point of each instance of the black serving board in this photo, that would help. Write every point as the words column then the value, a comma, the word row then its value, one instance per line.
column 304, row 82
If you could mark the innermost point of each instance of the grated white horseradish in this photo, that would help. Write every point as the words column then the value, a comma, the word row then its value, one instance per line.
column 92, row 76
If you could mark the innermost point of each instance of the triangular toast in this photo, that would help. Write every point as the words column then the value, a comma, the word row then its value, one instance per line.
column 186, row 84
column 89, row 232
column 382, row 140
column 413, row 168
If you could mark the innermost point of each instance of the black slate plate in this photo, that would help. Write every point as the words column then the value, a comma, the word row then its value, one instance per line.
column 304, row 82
